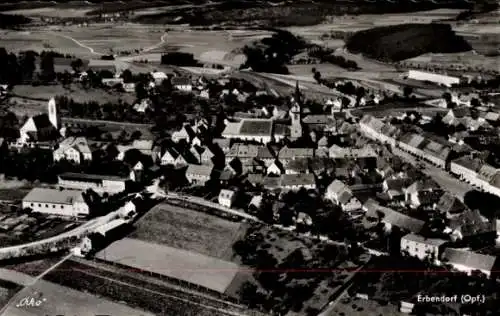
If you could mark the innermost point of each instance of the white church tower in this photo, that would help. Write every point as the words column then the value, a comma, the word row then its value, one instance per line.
column 296, row 129
column 53, row 115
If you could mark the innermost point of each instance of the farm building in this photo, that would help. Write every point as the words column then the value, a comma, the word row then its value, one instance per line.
column 58, row 202
column 432, row 77
column 98, row 183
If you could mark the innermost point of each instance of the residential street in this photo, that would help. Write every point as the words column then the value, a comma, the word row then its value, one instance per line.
column 443, row 178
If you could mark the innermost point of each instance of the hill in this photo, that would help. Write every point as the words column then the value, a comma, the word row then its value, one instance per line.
column 398, row 42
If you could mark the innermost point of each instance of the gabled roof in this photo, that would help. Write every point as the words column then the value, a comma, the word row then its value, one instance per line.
column 300, row 165
column 469, row 259
column 412, row 140
column 470, row 223
column 180, row 81
column 448, row 203
column 243, row 151
column 202, row 170
column 372, row 122
column 42, row 121
column 393, row 217
column 317, row 119
column 55, row 196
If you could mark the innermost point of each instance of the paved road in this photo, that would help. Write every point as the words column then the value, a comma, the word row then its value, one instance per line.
column 443, row 178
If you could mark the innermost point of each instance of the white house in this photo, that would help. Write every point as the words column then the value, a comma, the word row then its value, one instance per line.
column 158, row 77
column 421, row 247
column 466, row 168
column 433, row 77
column 74, row 149
column 57, row 202
column 227, row 198
column 275, row 168
column 182, row 84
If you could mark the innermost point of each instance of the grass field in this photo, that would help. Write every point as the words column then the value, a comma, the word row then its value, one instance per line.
column 75, row 92
column 185, row 265
column 16, row 41
column 60, row 300
column 189, row 230
column 56, row 12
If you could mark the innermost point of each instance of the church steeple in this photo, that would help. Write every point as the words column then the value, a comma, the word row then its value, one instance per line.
column 296, row 114
column 297, row 95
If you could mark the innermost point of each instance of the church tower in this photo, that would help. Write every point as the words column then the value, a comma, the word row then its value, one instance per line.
column 296, row 129
column 53, row 115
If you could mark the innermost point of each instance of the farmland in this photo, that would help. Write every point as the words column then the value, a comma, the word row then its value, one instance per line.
column 74, row 91
column 188, row 266
column 189, row 230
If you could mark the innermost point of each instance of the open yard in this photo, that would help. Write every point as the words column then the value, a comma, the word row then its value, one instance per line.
column 189, row 230
column 188, row 266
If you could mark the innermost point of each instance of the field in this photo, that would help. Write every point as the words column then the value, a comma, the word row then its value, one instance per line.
column 56, row 12
column 75, row 92
column 188, row 266
column 189, row 230
column 16, row 41
column 16, row 228
column 60, row 300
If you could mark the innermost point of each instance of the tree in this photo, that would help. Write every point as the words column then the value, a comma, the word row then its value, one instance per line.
column 47, row 67
column 407, row 91
column 127, row 76
column 76, row 65
column 140, row 91
column 317, row 76
column 28, row 64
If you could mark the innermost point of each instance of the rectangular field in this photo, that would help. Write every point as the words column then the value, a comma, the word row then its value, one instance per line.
column 189, row 230
column 185, row 265
column 60, row 300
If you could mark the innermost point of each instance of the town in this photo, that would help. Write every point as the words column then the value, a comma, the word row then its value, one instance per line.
column 158, row 182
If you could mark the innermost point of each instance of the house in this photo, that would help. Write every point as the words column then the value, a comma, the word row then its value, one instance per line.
column 111, row 82
column 57, row 202
column 223, row 143
column 365, row 157
column 423, row 192
column 296, row 166
column 411, row 143
column 143, row 106
column 186, row 133
column 158, row 77
column 182, row 84
column 75, row 149
column 276, row 168
column 199, row 174
column 227, row 198
column 451, row 206
column 394, row 187
column 129, row 87
column 485, row 176
column 98, row 183
column 245, row 153
column 297, row 181
column 468, row 261
column 144, row 146
column 372, row 128
column 340, row 194
column 375, row 213
column 470, row 225
column 171, row 156
column 466, row 168
column 265, row 155
column 436, row 153
column 42, row 127
column 422, row 248
column 287, row 154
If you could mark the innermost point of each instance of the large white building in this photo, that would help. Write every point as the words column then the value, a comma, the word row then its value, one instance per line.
column 421, row 247
column 58, row 202
column 432, row 77
column 259, row 130
column 41, row 127
column 98, row 183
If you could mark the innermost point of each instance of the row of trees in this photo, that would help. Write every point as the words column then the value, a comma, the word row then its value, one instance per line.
column 327, row 56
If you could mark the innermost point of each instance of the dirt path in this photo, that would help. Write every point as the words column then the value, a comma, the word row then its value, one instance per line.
column 78, row 43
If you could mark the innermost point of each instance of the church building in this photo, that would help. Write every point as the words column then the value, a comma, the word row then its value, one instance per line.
column 42, row 127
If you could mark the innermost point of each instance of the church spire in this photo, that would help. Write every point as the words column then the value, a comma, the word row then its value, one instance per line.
column 298, row 95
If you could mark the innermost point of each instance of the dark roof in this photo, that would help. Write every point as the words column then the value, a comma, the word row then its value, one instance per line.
column 90, row 177
column 256, row 127
column 42, row 121
column 469, row 259
column 180, row 81
column 448, row 203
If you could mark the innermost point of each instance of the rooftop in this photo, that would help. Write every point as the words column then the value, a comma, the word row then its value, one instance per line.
column 55, row 196
column 261, row 127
